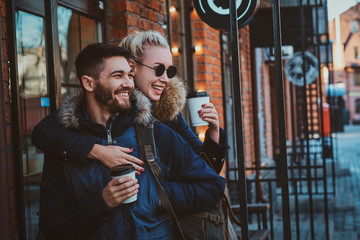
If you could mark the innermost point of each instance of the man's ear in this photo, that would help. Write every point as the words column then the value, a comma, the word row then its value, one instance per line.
column 132, row 65
column 88, row 83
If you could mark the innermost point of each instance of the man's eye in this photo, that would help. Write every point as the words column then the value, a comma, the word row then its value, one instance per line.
column 118, row 76
column 131, row 76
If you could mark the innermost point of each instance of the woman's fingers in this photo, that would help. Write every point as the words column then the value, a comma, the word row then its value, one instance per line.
column 208, row 113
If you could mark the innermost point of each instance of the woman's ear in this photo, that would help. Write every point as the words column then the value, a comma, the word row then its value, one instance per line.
column 88, row 83
column 132, row 65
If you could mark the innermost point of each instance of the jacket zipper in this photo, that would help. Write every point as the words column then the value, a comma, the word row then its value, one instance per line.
column 108, row 131
column 109, row 138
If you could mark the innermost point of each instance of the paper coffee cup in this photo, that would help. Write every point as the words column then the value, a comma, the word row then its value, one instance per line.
column 195, row 100
column 123, row 171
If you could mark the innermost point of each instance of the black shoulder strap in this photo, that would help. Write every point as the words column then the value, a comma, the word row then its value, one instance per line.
column 147, row 150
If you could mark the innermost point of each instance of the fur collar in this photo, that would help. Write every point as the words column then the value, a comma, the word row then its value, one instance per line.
column 69, row 119
column 172, row 101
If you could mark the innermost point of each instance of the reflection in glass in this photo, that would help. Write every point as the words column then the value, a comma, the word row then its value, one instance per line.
column 34, row 106
column 75, row 33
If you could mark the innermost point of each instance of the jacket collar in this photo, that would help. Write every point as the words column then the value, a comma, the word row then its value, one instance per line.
column 171, row 103
column 73, row 109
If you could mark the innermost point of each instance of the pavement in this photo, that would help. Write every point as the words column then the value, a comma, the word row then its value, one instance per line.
column 346, row 217
column 343, row 204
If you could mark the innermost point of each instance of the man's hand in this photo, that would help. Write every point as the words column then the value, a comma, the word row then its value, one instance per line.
column 118, row 190
column 112, row 156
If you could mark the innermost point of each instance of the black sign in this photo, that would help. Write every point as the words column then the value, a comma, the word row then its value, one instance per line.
column 216, row 13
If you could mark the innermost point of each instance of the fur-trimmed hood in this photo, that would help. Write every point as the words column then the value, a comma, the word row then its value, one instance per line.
column 172, row 101
column 69, row 118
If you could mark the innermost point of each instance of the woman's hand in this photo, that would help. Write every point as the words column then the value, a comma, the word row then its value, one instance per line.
column 112, row 155
column 209, row 114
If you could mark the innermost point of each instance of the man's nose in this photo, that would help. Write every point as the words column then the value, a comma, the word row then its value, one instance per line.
column 129, row 83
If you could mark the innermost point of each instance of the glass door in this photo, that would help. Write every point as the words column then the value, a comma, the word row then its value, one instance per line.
column 34, row 105
column 75, row 33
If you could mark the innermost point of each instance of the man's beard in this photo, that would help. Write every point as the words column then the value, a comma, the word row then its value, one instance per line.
column 104, row 96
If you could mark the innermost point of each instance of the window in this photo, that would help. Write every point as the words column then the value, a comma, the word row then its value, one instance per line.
column 356, row 53
column 75, row 33
column 357, row 105
column 354, row 26
column 34, row 105
column 357, row 78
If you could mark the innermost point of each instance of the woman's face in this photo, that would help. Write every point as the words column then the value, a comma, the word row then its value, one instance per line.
column 145, row 78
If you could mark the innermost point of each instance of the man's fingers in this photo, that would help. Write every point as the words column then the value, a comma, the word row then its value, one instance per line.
column 126, row 193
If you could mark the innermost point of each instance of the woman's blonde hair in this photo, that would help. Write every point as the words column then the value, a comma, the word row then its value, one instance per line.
column 135, row 42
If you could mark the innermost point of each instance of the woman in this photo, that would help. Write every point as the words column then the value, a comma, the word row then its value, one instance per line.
column 152, row 64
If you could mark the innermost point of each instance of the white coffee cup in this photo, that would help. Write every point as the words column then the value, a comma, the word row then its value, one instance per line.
column 124, row 170
column 195, row 102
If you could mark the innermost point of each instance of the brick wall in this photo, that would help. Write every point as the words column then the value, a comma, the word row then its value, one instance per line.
column 246, row 92
column 125, row 17
column 207, row 62
column 10, row 160
column 266, row 104
column 207, row 68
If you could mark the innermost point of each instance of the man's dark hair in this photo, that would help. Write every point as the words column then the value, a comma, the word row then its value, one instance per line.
column 90, row 60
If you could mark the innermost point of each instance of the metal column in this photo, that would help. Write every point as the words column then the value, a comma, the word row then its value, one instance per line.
column 234, row 35
column 281, row 120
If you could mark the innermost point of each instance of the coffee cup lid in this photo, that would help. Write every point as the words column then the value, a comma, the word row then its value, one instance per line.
column 198, row 94
column 121, row 169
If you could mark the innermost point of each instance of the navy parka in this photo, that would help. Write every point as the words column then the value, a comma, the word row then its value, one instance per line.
column 71, row 203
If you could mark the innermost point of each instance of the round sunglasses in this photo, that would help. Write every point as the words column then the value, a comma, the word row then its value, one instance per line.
column 160, row 69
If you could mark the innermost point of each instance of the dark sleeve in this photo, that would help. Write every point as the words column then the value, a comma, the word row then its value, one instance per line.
column 62, row 217
column 50, row 136
column 190, row 183
column 215, row 152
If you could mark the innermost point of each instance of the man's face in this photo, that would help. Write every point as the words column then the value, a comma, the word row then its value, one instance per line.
column 115, row 85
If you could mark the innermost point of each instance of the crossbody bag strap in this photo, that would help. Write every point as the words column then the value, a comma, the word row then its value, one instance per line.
column 226, row 200
column 147, row 150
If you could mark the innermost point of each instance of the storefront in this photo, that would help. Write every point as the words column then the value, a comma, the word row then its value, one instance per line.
column 42, row 41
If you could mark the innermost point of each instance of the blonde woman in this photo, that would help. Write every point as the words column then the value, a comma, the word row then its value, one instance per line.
column 151, row 61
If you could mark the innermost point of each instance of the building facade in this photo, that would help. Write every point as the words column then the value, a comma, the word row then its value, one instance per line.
column 344, row 32
column 39, row 45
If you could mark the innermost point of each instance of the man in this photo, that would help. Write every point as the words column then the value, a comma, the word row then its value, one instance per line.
column 80, row 201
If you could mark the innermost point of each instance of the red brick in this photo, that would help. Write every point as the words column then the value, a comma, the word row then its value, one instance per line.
column 13, row 222
column 118, row 20
column 8, row 135
column 116, row 34
column 6, row 71
column 3, row 10
column 153, row 16
column 11, row 178
column 10, row 159
column 118, row 6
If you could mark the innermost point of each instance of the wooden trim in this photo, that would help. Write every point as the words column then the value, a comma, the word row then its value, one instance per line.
column 34, row 6
column 5, row 227
column 88, row 7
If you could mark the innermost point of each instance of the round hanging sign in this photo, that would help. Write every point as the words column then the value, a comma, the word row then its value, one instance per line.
column 216, row 13
column 294, row 68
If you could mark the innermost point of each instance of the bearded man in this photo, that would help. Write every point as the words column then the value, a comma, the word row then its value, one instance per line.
column 80, row 200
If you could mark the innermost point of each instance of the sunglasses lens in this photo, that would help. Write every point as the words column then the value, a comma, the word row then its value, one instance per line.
column 171, row 71
column 160, row 70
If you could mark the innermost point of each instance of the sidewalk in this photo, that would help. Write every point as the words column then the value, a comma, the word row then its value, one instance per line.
column 344, row 207
column 347, row 213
